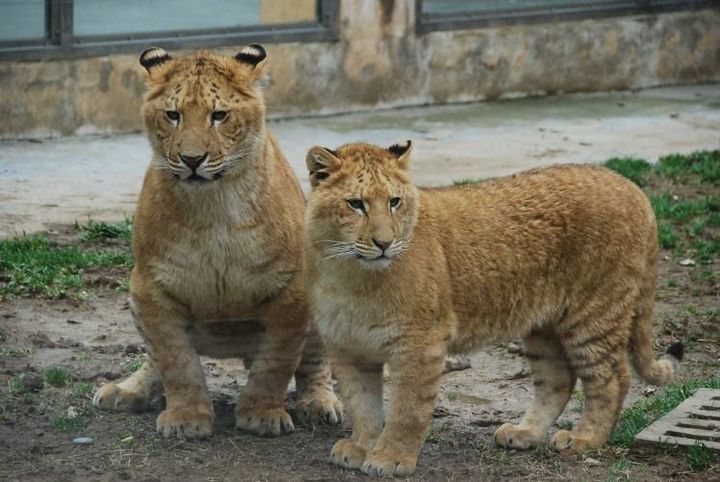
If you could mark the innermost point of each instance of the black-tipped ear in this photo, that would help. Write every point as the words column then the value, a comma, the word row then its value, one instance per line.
column 676, row 350
column 153, row 57
column 402, row 153
column 321, row 162
column 399, row 150
column 251, row 54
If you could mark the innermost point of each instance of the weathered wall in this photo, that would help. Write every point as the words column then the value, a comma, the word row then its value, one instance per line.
column 380, row 62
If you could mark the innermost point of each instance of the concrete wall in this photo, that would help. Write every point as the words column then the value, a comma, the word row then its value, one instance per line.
column 379, row 61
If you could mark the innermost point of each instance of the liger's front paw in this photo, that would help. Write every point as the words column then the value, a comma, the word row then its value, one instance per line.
column 265, row 422
column 388, row 464
column 185, row 423
column 570, row 440
column 348, row 454
column 320, row 404
column 513, row 437
column 113, row 397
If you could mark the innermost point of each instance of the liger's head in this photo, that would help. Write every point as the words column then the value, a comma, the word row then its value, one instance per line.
column 363, row 207
column 203, row 112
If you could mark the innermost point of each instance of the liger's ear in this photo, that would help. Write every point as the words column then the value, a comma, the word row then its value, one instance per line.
column 253, row 56
column 402, row 153
column 321, row 162
column 152, row 57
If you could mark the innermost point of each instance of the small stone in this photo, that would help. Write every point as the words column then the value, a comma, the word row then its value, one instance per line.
column 83, row 440
column 33, row 382
column 456, row 363
column 592, row 461
column 687, row 262
column 132, row 349
column 513, row 347
column 72, row 412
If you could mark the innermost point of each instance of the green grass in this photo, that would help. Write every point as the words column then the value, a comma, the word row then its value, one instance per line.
column 16, row 385
column 683, row 224
column 619, row 470
column 82, row 388
column 667, row 207
column 64, row 423
column 705, row 164
column 100, row 231
column 699, row 458
column 468, row 181
column 131, row 366
column 57, row 377
column 634, row 419
column 34, row 265
column 668, row 237
column 631, row 168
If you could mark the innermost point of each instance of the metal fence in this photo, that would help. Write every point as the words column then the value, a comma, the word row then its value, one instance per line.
column 50, row 29
column 435, row 15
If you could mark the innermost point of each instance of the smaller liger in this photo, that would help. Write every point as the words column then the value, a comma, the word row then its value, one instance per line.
column 562, row 257
column 218, row 258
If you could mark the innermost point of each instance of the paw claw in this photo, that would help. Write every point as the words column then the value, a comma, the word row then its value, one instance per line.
column 348, row 454
column 515, row 437
column 185, row 423
column 381, row 463
column 112, row 396
column 320, row 404
column 569, row 440
column 264, row 422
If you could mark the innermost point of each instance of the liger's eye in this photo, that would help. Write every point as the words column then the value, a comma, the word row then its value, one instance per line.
column 356, row 204
column 218, row 115
column 173, row 115
column 395, row 202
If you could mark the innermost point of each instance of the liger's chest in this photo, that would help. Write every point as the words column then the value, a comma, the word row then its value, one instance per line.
column 223, row 271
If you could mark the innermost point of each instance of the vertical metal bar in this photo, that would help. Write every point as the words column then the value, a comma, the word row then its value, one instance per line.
column 418, row 15
column 66, row 23
column 328, row 14
column 52, row 21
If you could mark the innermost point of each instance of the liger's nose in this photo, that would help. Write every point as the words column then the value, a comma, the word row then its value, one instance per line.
column 193, row 161
column 382, row 244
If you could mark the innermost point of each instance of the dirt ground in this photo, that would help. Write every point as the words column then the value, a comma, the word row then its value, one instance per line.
column 93, row 338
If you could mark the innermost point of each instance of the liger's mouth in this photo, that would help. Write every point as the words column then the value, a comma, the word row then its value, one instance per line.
column 196, row 178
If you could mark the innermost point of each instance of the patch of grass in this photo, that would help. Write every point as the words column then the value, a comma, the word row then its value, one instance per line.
column 707, row 250
column 131, row 366
column 579, row 396
column 667, row 236
column 57, row 377
column 705, row 164
column 564, row 424
column 699, row 458
column 101, row 231
column 34, row 265
column 636, row 418
column 619, row 469
column 82, row 388
column 16, row 385
column 68, row 423
column 667, row 206
column 470, row 180
column 634, row 169
column 682, row 223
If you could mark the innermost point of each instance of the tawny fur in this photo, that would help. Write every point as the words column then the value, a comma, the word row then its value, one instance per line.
column 218, row 259
column 562, row 257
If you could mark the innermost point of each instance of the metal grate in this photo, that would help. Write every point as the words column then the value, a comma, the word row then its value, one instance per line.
column 696, row 421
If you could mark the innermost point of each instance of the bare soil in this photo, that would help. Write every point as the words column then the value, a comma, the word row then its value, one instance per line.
column 93, row 338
